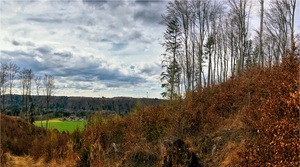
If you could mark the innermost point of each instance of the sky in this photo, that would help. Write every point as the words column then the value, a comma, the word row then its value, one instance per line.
column 92, row 47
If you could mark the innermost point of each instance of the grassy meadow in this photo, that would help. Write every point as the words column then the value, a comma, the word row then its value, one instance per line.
column 61, row 125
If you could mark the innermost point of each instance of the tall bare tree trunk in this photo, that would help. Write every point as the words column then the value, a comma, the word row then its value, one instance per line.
column 260, row 52
column 293, row 8
column 241, row 17
column 201, row 20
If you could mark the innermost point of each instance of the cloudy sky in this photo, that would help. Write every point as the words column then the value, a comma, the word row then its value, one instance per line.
column 92, row 47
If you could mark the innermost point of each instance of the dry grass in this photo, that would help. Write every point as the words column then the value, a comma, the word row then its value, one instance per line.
column 232, row 154
column 28, row 161
column 22, row 161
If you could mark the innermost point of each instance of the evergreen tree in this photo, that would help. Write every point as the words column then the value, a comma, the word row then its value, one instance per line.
column 170, row 78
column 172, row 43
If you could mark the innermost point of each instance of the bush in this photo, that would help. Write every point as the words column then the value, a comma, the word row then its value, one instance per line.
column 275, row 120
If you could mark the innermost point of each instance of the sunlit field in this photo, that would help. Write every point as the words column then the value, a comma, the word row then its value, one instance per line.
column 62, row 125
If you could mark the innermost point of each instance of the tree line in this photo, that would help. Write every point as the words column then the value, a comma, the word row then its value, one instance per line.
column 208, row 41
column 13, row 78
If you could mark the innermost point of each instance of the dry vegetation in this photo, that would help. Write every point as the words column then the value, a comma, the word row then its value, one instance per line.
column 252, row 119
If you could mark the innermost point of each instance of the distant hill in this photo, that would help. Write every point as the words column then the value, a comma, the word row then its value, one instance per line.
column 120, row 105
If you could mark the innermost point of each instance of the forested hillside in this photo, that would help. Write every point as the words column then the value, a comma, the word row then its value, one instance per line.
column 64, row 106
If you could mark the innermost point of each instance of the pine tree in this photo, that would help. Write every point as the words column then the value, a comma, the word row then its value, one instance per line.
column 172, row 44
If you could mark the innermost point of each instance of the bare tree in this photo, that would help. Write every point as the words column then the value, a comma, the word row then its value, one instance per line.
column 22, row 85
column 277, row 22
column 215, row 44
column 193, row 44
column 260, row 50
column 3, row 84
column 49, row 90
column 183, row 13
column 13, row 70
column 38, row 80
column 202, row 16
column 26, row 77
column 292, row 23
column 240, row 10
column 224, row 46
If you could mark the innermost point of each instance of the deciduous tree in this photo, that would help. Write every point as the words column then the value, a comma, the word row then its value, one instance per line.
column 49, row 90
column 12, row 70
column 3, row 84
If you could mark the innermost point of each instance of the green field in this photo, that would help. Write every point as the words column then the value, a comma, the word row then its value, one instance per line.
column 61, row 125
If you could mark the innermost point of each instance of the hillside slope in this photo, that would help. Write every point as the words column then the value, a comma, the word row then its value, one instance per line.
column 22, row 143
column 17, row 135
column 252, row 119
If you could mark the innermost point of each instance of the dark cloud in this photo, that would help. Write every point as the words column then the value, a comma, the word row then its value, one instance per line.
column 124, row 81
column 84, row 78
column 16, row 43
column 149, row 11
column 129, row 79
column 119, row 46
column 24, row 60
column 112, row 84
column 94, row 72
column 44, row 49
column 112, row 4
column 150, row 69
column 82, row 73
column 10, row 56
column 45, row 20
column 15, row 54
column 132, row 67
column 19, row 43
column 84, row 20
column 95, row 3
column 41, row 59
column 135, row 35
column 148, row 16
column 64, row 54
column 105, row 40
column 147, row 2
column 114, row 75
